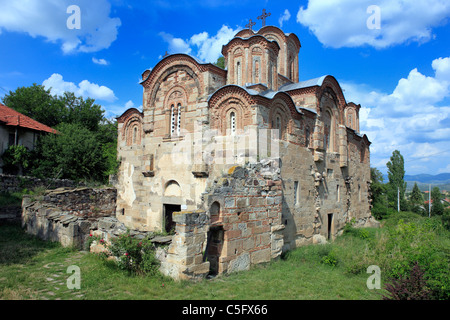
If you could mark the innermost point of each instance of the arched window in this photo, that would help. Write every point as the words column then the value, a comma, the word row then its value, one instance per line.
column 233, row 123
column 179, row 119
column 363, row 153
column 328, row 131
column 172, row 120
column 278, row 119
column 135, row 135
column 277, row 124
column 307, row 137
column 257, row 71
column 215, row 212
column 270, row 80
column 238, row 73
column 175, row 120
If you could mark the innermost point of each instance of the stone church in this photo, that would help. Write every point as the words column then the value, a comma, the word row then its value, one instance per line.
column 245, row 162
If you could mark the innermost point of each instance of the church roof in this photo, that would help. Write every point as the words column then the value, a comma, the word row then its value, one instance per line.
column 303, row 84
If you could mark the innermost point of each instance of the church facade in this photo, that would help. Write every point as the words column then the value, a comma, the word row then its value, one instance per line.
column 201, row 122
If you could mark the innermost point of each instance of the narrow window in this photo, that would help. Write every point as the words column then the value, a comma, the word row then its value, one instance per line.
column 270, row 80
column 134, row 135
column 238, row 73
column 233, row 123
column 172, row 120
column 296, row 193
column 338, row 195
column 279, row 126
column 307, row 137
column 179, row 120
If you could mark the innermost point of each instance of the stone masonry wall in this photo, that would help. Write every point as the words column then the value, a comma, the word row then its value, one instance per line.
column 67, row 216
column 239, row 226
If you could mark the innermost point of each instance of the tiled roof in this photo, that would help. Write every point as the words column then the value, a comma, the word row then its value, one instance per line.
column 10, row 117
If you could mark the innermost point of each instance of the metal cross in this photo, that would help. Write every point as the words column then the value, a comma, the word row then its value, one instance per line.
column 250, row 24
column 263, row 17
column 166, row 55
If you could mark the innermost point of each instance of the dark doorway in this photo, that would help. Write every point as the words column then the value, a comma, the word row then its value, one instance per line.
column 214, row 249
column 330, row 225
column 169, row 209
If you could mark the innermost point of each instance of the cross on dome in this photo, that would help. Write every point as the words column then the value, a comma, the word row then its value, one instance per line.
column 264, row 16
column 250, row 24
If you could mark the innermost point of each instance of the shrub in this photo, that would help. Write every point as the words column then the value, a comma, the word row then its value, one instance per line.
column 446, row 219
column 134, row 255
column 411, row 287
column 16, row 158
column 330, row 259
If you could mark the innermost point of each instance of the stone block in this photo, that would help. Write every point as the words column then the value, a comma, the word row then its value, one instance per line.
column 260, row 256
column 240, row 263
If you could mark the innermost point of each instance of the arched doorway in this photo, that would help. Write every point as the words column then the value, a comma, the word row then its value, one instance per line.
column 172, row 203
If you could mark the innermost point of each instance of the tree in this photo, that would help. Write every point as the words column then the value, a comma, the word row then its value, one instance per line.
column 437, row 208
column 378, row 194
column 83, row 112
column 220, row 62
column 396, row 174
column 416, row 200
column 37, row 103
column 74, row 154
column 87, row 145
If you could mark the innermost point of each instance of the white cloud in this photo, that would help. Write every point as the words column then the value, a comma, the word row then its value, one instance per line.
column 101, row 62
column 205, row 47
column 414, row 119
column 129, row 104
column 48, row 19
column 345, row 24
column 284, row 17
column 176, row 45
column 85, row 88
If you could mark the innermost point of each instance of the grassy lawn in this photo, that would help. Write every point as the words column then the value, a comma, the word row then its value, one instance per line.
column 34, row 269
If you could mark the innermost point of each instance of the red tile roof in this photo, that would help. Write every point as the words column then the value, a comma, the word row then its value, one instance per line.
column 13, row 118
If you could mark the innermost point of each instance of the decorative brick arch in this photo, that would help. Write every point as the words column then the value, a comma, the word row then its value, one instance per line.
column 279, row 118
column 288, row 103
column 227, row 100
column 131, row 131
column 174, row 63
column 351, row 113
column 332, row 87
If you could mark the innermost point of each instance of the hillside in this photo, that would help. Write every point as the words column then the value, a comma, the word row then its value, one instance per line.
column 424, row 180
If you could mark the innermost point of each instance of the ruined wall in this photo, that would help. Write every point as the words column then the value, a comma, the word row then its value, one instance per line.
column 67, row 216
column 239, row 225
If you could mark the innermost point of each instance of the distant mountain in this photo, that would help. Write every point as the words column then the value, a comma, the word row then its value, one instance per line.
column 428, row 178
column 424, row 180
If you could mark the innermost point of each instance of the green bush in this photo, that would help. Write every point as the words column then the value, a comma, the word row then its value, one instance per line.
column 134, row 255
column 404, row 239
column 330, row 259
column 446, row 219
column 16, row 158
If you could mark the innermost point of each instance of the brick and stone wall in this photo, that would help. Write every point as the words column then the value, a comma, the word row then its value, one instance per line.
column 239, row 226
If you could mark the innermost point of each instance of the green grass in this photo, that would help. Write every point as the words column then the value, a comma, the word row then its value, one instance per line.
column 34, row 269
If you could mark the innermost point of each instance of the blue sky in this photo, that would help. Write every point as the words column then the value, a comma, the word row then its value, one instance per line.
column 399, row 73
